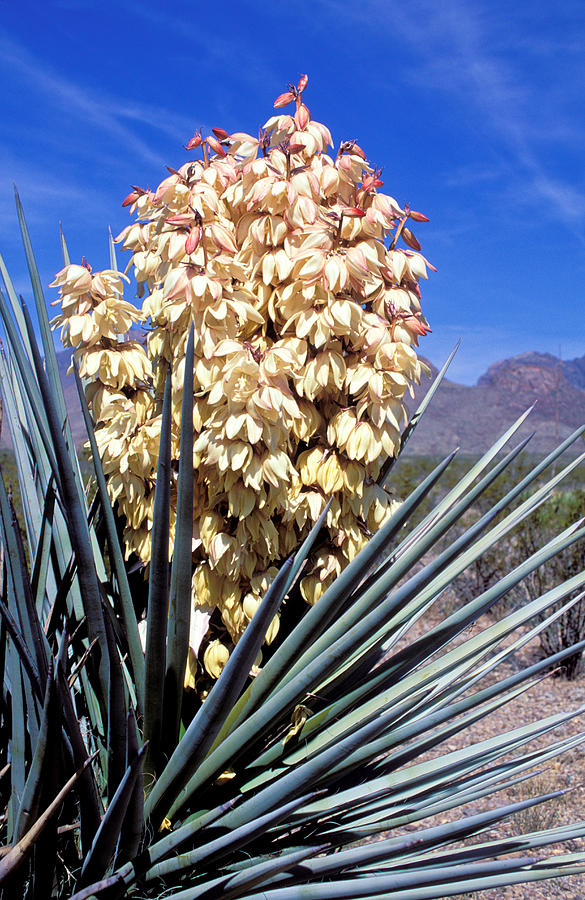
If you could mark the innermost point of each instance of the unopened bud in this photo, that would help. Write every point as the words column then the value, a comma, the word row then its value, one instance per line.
column 418, row 216
column 352, row 212
column 371, row 181
column 295, row 148
column 284, row 99
column 193, row 239
column 409, row 239
column 303, row 82
column 302, row 116
column 416, row 326
column 215, row 146
column 195, row 142
column 179, row 219
column 131, row 198
column 220, row 133
column 357, row 151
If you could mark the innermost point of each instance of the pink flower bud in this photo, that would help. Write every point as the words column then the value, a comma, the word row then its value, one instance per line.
column 220, row 133
column 195, row 142
column 357, row 151
column 179, row 219
column 136, row 193
column 302, row 116
column 409, row 239
column 193, row 239
column 215, row 146
column 303, row 82
column 284, row 99
column 418, row 217
column 296, row 148
column 416, row 326
column 131, row 198
column 352, row 212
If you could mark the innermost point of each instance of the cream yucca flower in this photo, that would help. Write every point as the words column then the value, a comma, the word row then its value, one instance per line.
column 306, row 311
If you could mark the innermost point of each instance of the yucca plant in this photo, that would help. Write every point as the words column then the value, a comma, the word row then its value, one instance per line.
column 301, row 282
column 118, row 781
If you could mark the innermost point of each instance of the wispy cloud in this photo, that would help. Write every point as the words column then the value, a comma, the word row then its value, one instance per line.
column 45, row 197
column 473, row 174
column 470, row 51
column 106, row 113
column 565, row 198
column 492, row 83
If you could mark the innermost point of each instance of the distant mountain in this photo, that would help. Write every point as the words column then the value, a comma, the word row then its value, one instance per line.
column 558, row 387
column 470, row 417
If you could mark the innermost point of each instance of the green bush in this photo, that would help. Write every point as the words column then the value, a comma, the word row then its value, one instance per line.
column 559, row 513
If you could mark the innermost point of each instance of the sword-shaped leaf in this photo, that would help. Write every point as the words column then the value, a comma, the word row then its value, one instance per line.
column 64, row 249
column 234, row 886
column 76, row 520
column 107, row 835
column 204, row 728
column 51, row 364
column 116, row 555
column 42, row 557
column 29, row 805
column 180, row 602
column 158, row 593
column 132, row 827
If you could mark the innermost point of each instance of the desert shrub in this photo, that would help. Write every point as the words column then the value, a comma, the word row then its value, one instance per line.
column 561, row 512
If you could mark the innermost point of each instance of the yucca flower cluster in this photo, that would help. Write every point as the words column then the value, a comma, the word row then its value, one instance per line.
column 306, row 313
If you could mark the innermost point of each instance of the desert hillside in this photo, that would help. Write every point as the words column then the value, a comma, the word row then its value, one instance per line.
column 473, row 416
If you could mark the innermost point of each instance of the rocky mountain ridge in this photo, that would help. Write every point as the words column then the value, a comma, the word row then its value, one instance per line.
column 473, row 416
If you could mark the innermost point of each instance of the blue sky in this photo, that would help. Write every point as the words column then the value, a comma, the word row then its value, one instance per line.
column 473, row 107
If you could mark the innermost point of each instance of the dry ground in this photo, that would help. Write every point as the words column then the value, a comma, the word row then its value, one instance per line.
column 552, row 695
